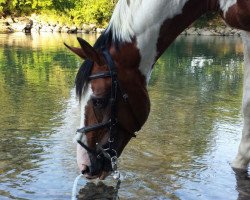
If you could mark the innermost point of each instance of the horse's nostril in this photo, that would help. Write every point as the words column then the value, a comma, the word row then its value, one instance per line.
column 86, row 170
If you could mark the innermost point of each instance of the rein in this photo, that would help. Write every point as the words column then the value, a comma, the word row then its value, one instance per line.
column 112, row 124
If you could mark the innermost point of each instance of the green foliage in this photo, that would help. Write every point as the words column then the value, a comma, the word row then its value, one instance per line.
column 21, row 7
column 75, row 11
column 92, row 11
column 209, row 20
column 63, row 5
column 52, row 17
column 1, row 5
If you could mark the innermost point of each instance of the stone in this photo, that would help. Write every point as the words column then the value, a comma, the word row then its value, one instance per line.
column 79, row 31
column 46, row 28
column 18, row 27
column 72, row 29
column 65, row 29
column 6, row 29
column 57, row 29
column 92, row 27
column 206, row 32
column 28, row 27
column 98, row 191
column 86, row 28
column 191, row 31
column 100, row 30
column 9, row 21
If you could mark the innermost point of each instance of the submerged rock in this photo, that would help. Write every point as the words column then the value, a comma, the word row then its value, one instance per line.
column 98, row 191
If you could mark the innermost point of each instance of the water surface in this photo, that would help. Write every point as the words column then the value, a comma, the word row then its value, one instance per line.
column 183, row 151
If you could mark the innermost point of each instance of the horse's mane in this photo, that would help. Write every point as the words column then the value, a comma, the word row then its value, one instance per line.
column 121, row 23
column 134, row 17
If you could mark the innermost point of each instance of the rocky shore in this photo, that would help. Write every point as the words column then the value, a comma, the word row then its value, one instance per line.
column 34, row 24
column 208, row 31
column 31, row 24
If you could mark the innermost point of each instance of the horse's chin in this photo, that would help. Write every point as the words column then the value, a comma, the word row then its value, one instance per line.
column 102, row 176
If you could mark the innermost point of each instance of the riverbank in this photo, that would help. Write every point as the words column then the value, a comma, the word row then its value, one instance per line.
column 37, row 25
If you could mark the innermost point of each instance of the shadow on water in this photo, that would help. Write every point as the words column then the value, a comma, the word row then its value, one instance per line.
column 182, row 152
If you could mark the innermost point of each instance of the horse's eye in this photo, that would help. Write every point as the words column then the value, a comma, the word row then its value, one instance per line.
column 99, row 102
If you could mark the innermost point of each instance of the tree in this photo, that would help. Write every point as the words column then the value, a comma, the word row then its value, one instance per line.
column 93, row 11
column 19, row 7
column 87, row 11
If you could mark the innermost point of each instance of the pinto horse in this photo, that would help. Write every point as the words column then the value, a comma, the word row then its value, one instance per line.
column 112, row 81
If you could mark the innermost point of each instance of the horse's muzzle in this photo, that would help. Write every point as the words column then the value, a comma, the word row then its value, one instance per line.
column 100, row 167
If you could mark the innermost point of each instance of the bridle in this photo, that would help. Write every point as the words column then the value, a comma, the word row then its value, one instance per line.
column 108, row 150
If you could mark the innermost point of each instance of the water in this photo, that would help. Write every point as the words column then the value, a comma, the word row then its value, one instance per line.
column 183, row 151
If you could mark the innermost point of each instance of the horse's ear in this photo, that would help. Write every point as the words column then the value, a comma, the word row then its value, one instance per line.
column 86, row 51
column 77, row 51
column 89, row 51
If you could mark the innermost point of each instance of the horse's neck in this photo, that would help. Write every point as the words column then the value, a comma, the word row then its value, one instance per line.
column 168, row 23
column 155, row 24
column 171, row 28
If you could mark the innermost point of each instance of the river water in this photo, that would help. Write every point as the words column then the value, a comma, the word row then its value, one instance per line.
column 183, row 151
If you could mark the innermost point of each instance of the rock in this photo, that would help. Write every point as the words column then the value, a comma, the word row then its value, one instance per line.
column 35, row 30
column 238, row 32
column 198, row 31
column 98, row 191
column 206, row 32
column 16, row 20
column 72, row 29
column 65, row 29
column 9, row 21
column 35, row 24
column 191, row 31
column 57, row 29
column 86, row 28
column 6, row 29
column 46, row 28
column 18, row 27
column 79, row 31
column 100, row 30
column 28, row 27
column 92, row 27
column 220, row 30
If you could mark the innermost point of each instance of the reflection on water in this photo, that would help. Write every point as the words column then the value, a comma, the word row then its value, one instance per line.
column 183, row 151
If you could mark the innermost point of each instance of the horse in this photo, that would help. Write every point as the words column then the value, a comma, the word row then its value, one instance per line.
column 112, row 81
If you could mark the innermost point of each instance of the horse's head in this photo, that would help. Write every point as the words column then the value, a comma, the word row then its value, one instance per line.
column 114, row 105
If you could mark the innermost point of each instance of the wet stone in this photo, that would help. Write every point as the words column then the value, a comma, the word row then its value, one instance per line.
column 98, row 191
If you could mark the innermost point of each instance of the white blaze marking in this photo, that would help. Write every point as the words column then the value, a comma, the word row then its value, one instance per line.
column 143, row 19
column 82, row 154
